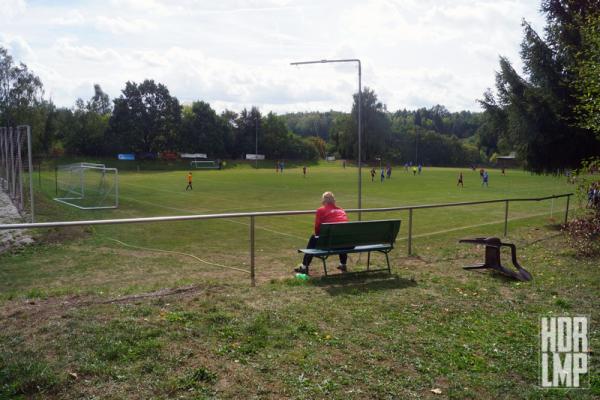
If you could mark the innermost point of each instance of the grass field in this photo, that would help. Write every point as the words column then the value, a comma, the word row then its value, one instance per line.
column 86, row 316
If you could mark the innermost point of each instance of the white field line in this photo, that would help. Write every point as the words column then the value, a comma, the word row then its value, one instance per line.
column 184, row 194
column 225, row 219
column 477, row 226
column 400, row 238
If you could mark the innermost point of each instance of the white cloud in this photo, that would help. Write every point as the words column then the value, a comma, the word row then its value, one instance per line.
column 119, row 25
column 11, row 8
column 69, row 49
column 18, row 48
column 236, row 53
column 71, row 18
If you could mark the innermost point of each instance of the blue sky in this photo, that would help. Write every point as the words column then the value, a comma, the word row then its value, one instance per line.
column 235, row 53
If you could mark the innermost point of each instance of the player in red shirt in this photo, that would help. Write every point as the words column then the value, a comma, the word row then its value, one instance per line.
column 328, row 213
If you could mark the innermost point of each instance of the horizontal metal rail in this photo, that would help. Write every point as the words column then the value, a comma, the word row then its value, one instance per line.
column 253, row 215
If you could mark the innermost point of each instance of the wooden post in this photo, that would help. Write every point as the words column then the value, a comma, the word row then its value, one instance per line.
column 506, row 219
column 252, row 275
column 410, row 221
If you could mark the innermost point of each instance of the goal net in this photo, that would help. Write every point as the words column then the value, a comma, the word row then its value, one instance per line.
column 16, row 167
column 87, row 186
column 204, row 164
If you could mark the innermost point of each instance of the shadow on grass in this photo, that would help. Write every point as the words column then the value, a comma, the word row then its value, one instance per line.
column 489, row 273
column 362, row 283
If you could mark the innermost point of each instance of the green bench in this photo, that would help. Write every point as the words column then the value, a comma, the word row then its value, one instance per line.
column 355, row 237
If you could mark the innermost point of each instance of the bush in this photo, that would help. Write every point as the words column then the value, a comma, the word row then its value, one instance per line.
column 584, row 234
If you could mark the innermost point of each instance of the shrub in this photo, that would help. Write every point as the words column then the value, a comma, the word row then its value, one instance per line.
column 584, row 234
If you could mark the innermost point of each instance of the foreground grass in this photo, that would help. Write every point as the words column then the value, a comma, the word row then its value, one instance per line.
column 431, row 325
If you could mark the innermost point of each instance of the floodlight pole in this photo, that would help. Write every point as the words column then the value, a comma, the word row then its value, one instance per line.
column 256, row 142
column 356, row 60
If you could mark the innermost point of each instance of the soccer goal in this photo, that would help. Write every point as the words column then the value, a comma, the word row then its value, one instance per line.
column 204, row 164
column 87, row 186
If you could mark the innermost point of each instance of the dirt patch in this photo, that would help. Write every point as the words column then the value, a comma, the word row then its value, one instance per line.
column 53, row 306
column 65, row 234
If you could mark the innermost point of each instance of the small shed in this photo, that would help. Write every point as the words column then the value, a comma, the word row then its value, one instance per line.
column 508, row 161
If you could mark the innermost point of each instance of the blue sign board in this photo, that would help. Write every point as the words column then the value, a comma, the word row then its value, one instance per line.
column 127, row 157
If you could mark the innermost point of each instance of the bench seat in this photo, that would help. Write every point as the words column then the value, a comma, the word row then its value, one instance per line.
column 356, row 249
column 355, row 237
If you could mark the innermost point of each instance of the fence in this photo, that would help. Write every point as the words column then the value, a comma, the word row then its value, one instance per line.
column 12, row 142
column 254, row 215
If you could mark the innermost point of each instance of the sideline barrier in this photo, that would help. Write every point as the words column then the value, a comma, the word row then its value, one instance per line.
column 253, row 215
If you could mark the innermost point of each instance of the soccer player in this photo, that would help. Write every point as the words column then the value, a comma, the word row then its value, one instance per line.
column 460, row 180
column 304, row 171
column 373, row 174
column 328, row 213
column 414, row 171
column 420, row 169
column 189, row 180
column 382, row 175
column 486, row 178
column 389, row 172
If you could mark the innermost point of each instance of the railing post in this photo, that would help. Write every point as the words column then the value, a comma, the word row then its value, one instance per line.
column 506, row 218
column 567, row 209
column 30, row 165
column 252, row 276
column 410, row 220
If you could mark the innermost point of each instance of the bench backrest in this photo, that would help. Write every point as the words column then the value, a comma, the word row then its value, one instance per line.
column 351, row 234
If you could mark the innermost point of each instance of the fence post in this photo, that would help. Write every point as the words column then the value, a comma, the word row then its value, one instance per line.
column 567, row 209
column 506, row 218
column 410, row 218
column 252, row 276
column 30, row 165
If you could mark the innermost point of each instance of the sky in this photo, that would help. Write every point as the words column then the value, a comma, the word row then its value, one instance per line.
column 237, row 53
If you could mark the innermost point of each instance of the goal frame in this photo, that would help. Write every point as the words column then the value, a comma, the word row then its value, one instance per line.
column 194, row 163
column 92, row 166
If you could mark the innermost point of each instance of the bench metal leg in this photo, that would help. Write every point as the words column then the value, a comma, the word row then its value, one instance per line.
column 387, row 259
column 368, row 261
column 324, row 264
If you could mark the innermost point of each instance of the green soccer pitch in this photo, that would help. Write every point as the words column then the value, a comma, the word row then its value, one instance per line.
column 243, row 188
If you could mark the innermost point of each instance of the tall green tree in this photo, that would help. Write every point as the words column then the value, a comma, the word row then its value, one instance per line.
column 145, row 118
column 375, row 125
column 20, row 91
column 202, row 130
column 100, row 102
column 535, row 114
column 587, row 82
column 246, row 125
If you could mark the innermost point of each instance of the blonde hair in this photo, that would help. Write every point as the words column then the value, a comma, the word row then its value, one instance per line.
column 328, row 197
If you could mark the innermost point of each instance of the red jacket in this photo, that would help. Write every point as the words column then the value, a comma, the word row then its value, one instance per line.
column 329, row 213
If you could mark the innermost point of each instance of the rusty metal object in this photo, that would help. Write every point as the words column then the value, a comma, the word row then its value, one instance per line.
column 492, row 258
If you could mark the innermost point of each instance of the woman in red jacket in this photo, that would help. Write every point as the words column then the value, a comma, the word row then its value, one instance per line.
column 328, row 213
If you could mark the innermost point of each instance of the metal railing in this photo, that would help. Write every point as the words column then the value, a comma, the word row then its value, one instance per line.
column 253, row 215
